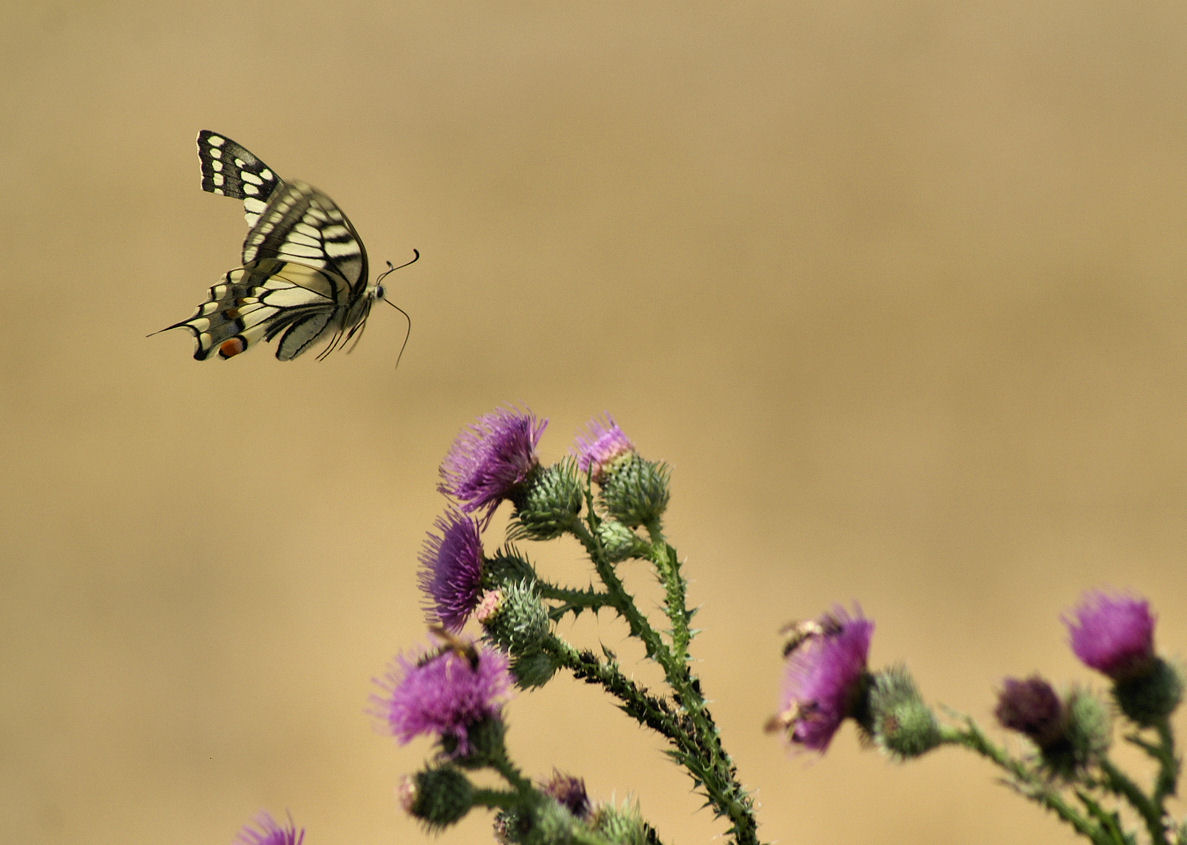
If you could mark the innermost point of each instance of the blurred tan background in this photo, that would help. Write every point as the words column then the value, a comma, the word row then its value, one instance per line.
column 899, row 290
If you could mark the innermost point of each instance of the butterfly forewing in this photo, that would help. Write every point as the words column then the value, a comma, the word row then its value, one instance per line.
column 304, row 273
column 233, row 171
column 303, row 225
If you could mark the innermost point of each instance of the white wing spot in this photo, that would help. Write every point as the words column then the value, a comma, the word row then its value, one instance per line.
column 247, row 176
column 266, row 173
column 216, row 140
column 217, row 178
column 250, row 189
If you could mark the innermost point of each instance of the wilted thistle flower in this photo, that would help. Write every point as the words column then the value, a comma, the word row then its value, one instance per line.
column 1113, row 634
column 1033, row 708
column 269, row 832
column 445, row 694
column 601, row 445
column 569, row 791
column 825, row 680
column 1071, row 734
column 451, row 570
column 489, row 461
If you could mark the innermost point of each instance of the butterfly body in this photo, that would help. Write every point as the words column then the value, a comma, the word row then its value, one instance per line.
column 304, row 276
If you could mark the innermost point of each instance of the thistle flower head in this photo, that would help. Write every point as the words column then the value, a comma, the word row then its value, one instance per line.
column 443, row 693
column 268, row 832
column 490, row 460
column 451, row 570
column 1113, row 634
column 601, row 445
column 569, row 792
column 1033, row 708
column 825, row 680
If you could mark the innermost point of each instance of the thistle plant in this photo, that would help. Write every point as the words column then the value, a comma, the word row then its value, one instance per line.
column 454, row 689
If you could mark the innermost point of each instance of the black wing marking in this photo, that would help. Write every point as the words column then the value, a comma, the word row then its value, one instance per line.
column 230, row 169
column 258, row 302
column 302, row 225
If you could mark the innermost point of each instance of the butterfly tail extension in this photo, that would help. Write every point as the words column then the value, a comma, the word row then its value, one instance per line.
column 230, row 321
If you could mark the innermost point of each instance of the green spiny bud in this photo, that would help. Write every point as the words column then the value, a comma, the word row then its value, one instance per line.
column 1151, row 697
column 533, row 668
column 619, row 824
column 549, row 505
column 901, row 724
column 619, row 542
column 635, row 491
column 1090, row 726
column 439, row 796
column 508, row 566
column 515, row 618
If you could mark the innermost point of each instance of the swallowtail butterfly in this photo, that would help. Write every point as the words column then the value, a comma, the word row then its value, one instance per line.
column 304, row 274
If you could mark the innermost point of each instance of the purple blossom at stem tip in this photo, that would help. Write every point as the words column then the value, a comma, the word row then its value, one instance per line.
column 490, row 459
column 600, row 446
column 270, row 832
column 440, row 693
column 1113, row 634
column 824, row 677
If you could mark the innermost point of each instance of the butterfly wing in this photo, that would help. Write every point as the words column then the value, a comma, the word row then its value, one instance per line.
column 263, row 300
column 231, row 170
column 303, row 225
column 304, row 273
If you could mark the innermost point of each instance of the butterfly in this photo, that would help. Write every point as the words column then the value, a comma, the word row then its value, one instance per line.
column 304, row 275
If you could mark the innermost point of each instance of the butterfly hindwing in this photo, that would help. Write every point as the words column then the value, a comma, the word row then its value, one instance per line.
column 258, row 302
column 304, row 274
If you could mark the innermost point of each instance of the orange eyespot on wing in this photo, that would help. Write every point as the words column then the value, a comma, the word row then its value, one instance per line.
column 231, row 348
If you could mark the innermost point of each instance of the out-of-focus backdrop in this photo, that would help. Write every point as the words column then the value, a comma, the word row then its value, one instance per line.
column 899, row 291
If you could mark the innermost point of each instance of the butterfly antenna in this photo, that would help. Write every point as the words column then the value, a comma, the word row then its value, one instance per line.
column 391, row 269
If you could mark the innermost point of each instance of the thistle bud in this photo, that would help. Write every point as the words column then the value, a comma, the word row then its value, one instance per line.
column 438, row 796
column 549, row 503
column 901, row 724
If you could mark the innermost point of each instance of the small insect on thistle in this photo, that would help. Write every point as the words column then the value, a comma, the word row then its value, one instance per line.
column 451, row 643
column 795, row 634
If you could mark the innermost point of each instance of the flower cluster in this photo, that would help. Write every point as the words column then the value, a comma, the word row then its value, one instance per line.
column 612, row 501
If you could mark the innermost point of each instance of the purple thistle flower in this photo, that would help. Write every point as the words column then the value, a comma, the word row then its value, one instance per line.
column 442, row 693
column 600, row 446
column 1113, row 634
column 270, row 833
column 825, row 679
column 489, row 460
column 451, row 570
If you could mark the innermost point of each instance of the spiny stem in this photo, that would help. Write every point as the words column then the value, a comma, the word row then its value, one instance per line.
column 1118, row 782
column 1028, row 785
